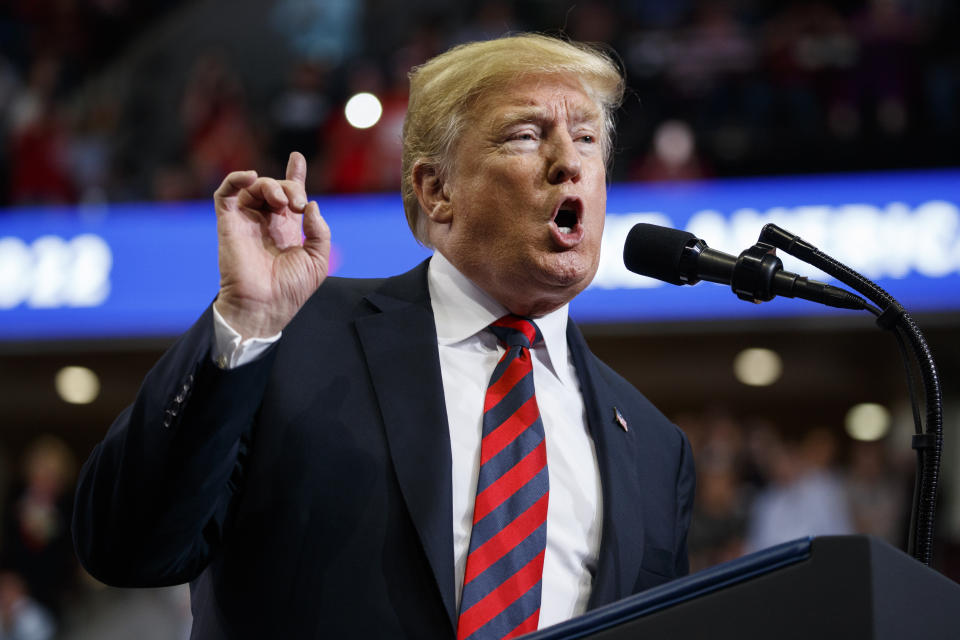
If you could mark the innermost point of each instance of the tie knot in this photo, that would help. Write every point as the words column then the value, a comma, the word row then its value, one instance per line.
column 517, row 331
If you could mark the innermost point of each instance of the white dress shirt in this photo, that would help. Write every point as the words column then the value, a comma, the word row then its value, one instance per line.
column 468, row 355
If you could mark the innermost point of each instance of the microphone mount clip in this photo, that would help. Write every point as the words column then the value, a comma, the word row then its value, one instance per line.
column 754, row 272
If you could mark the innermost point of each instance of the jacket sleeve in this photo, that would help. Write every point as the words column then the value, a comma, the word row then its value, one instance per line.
column 686, row 482
column 154, row 497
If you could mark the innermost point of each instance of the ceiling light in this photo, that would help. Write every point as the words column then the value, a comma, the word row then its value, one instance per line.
column 363, row 110
column 77, row 385
column 867, row 421
column 757, row 367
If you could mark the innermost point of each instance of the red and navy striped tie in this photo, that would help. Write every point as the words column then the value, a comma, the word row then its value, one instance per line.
column 504, row 574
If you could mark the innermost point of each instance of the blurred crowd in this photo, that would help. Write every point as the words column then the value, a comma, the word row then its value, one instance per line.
column 756, row 487
column 44, row 593
column 718, row 88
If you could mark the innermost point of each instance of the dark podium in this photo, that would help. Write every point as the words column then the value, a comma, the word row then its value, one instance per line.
column 843, row 587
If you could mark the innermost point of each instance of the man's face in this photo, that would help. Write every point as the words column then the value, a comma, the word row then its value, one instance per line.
column 527, row 194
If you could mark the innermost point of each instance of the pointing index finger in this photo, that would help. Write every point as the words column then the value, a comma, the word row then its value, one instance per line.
column 297, row 167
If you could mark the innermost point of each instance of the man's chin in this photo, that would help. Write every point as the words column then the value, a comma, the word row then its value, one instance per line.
column 557, row 289
column 568, row 270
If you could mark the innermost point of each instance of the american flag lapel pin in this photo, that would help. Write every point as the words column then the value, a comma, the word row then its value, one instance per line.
column 619, row 419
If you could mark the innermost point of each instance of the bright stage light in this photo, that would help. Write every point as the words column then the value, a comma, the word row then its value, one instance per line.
column 867, row 421
column 77, row 385
column 757, row 367
column 363, row 110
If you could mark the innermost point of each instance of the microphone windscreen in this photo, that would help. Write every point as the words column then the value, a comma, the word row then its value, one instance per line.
column 655, row 251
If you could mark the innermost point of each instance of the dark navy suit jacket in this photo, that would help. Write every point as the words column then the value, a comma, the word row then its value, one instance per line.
column 308, row 494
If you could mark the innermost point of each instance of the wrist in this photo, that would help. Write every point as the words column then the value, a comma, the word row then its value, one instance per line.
column 250, row 321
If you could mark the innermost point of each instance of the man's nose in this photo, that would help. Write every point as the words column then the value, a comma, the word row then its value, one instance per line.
column 564, row 160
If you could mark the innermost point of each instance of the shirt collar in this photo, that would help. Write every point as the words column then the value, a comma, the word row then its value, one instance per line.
column 461, row 310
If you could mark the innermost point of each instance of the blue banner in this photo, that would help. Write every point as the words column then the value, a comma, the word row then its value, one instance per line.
column 131, row 270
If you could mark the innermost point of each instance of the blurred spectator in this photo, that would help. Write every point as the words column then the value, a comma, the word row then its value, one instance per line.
column 806, row 496
column 363, row 159
column 715, row 45
column 809, row 54
column 316, row 29
column 659, row 13
column 220, row 135
column 719, row 515
column 875, row 492
column 388, row 145
column 90, row 149
column 21, row 617
column 300, row 111
column 39, row 140
column 673, row 157
column 10, row 88
column 941, row 77
column 174, row 182
column 593, row 21
column 36, row 535
column 106, row 613
column 886, row 79
column 491, row 19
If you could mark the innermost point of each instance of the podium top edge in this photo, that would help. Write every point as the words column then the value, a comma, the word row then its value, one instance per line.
column 679, row 590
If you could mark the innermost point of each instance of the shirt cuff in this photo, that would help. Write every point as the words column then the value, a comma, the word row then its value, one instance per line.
column 230, row 350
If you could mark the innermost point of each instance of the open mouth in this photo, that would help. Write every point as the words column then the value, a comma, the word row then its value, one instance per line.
column 566, row 220
column 568, row 216
column 568, row 232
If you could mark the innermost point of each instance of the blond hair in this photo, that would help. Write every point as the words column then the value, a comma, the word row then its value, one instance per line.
column 445, row 89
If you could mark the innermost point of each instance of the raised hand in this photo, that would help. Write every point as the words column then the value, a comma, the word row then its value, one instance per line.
column 268, row 266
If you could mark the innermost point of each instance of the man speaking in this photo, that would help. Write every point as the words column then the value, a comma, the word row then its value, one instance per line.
column 432, row 455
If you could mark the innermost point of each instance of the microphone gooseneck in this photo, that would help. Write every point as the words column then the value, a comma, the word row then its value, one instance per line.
column 757, row 275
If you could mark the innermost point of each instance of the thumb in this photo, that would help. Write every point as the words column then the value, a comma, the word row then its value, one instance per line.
column 316, row 234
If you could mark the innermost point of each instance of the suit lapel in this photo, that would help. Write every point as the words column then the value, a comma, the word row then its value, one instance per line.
column 621, row 543
column 400, row 346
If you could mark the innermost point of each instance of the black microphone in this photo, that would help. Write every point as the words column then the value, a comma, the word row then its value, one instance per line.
column 757, row 275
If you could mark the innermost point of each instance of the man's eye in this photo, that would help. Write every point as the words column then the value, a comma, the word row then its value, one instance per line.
column 525, row 135
column 588, row 139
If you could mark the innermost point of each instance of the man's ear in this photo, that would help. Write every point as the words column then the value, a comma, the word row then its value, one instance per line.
column 432, row 191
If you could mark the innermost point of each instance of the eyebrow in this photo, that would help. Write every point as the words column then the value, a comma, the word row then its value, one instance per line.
column 579, row 115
